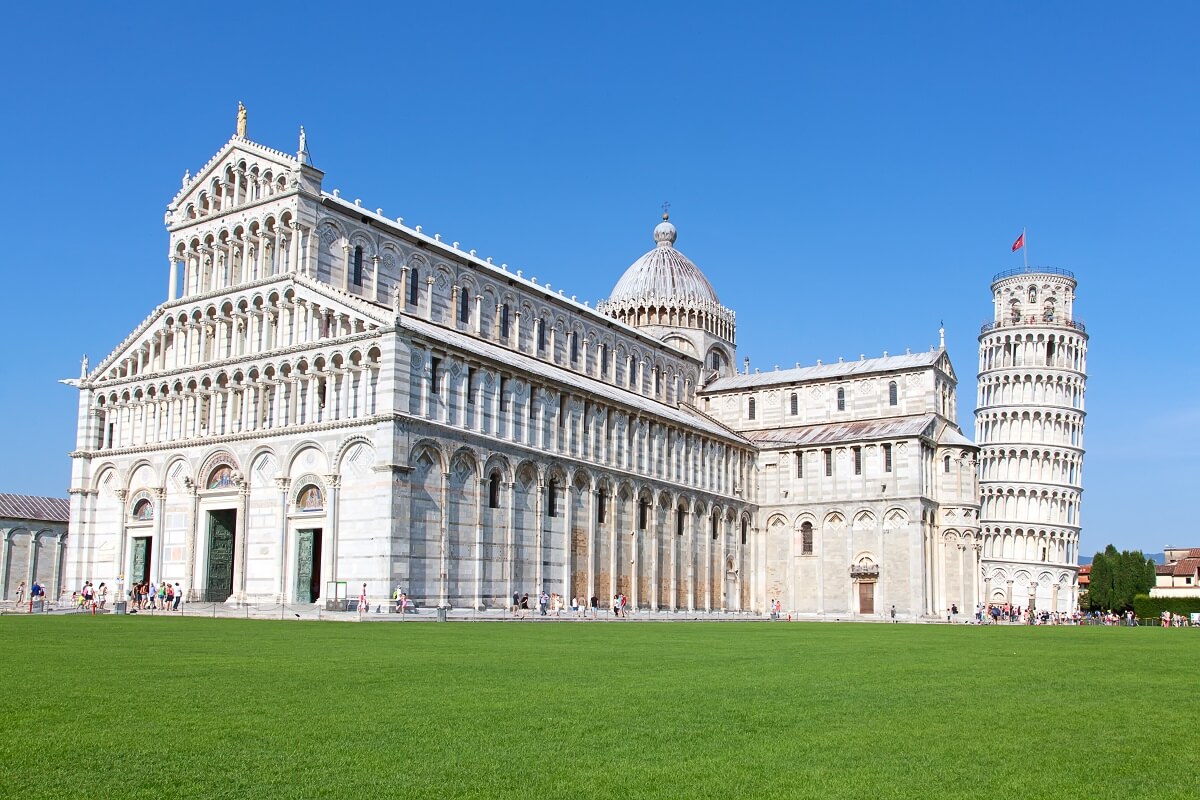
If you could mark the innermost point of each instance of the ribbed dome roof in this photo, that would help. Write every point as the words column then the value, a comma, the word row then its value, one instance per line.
column 663, row 274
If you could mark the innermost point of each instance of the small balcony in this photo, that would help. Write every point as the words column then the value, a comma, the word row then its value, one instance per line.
column 1034, row 321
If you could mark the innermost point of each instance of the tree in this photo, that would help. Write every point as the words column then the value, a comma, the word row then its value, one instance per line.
column 1117, row 577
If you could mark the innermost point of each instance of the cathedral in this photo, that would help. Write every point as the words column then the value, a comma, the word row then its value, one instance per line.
column 327, row 398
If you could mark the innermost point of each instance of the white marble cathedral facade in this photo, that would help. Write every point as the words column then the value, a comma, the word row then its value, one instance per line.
column 329, row 395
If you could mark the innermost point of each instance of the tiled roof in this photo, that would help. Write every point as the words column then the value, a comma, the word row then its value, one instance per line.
column 23, row 506
column 1186, row 566
column 841, row 369
column 834, row 432
column 1164, row 569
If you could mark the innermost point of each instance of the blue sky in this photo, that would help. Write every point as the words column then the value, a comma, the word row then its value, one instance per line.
column 846, row 174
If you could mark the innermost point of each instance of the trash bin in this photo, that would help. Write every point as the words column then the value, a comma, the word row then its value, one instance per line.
column 441, row 614
column 119, row 607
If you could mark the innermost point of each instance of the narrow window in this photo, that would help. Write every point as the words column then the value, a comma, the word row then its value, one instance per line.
column 434, row 365
column 601, row 506
column 679, row 521
column 795, row 404
column 841, row 399
column 464, row 305
column 587, row 414
column 504, row 321
column 828, row 463
column 946, row 464
column 470, row 386
column 857, row 451
column 358, row 265
column 414, row 287
column 552, row 498
column 575, row 347
column 562, row 411
column 494, row 491
column 799, row 464
column 715, row 527
column 806, row 539
column 603, row 361
column 750, row 413
column 887, row 458
column 893, row 394
column 503, row 394
column 743, row 532
column 532, row 403
column 643, row 513
column 657, row 382
column 715, row 360
column 541, row 335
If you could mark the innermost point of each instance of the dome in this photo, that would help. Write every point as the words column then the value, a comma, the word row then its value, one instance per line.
column 663, row 274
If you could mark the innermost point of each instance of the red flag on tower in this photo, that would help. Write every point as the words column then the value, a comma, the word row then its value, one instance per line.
column 1019, row 243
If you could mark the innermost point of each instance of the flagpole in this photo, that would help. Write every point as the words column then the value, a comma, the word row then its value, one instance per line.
column 1025, row 248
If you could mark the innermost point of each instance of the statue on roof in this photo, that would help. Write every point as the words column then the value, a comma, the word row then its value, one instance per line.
column 187, row 176
column 83, row 367
column 241, row 121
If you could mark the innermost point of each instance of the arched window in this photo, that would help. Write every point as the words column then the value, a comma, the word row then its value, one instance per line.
column 887, row 458
column 841, row 399
column 310, row 499
column 604, row 361
column 601, row 506
column 795, row 404
column 946, row 464
column 679, row 516
column 750, row 409
column 464, row 305
column 744, row 527
column 806, row 539
column 715, row 527
column 643, row 513
column 715, row 360
column 494, row 490
column 414, row 287
column 504, row 321
column 143, row 511
column 893, row 393
column 1032, row 294
column 358, row 278
column 552, row 498
column 574, row 347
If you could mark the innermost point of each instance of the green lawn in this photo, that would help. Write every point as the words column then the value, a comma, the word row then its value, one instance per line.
column 179, row 709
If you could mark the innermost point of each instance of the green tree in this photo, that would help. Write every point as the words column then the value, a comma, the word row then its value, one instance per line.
column 1117, row 577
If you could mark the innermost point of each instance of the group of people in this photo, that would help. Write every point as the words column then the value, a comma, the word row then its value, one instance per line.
column 90, row 598
column 554, row 604
column 147, row 596
column 37, row 593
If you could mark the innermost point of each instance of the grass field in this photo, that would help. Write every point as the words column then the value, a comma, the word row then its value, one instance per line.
column 180, row 709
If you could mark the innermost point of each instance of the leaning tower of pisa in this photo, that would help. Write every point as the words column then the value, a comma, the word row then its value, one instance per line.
column 1029, row 427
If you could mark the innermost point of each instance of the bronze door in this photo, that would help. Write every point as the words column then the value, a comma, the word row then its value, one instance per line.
column 308, row 566
column 221, row 535
column 140, row 572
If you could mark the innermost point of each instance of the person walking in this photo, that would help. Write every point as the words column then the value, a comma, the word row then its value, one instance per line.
column 362, row 601
column 178, row 596
column 20, row 593
column 893, row 613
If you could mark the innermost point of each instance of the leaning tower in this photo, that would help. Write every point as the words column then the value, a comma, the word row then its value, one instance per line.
column 1029, row 427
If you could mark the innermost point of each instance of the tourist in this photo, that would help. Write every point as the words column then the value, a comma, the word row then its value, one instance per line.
column 543, row 602
column 525, row 602
column 616, row 605
column 893, row 612
column 624, row 601
column 362, row 601
column 595, row 606
column 20, row 593
column 102, row 595
column 162, row 595
column 178, row 596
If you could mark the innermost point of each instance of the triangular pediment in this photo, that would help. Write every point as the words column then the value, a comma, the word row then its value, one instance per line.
column 943, row 363
column 363, row 315
column 255, row 157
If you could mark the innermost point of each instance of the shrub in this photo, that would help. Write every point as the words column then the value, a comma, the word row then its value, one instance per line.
column 1146, row 606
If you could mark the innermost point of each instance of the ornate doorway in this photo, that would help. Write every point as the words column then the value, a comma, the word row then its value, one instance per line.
column 222, row 531
column 139, row 571
column 308, row 565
